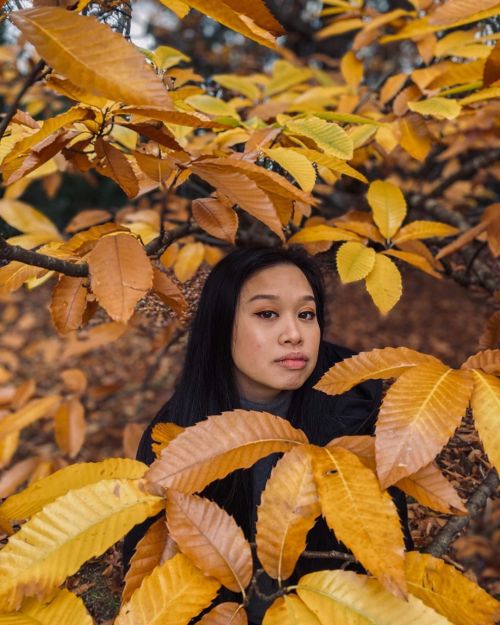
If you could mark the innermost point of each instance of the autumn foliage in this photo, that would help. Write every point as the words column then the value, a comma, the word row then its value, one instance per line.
column 262, row 160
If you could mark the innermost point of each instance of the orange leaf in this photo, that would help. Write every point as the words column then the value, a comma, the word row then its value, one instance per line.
column 188, row 261
column 169, row 292
column 147, row 555
column 210, row 538
column 418, row 415
column 72, row 45
column 487, row 360
column 216, row 218
column 224, row 614
column 215, row 447
column 115, row 165
column 120, row 273
column 69, row 423
column 69, row 299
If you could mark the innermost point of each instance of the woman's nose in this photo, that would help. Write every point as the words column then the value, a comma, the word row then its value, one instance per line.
column 291, row 333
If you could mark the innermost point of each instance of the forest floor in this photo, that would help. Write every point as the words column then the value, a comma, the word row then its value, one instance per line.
column 130, row 378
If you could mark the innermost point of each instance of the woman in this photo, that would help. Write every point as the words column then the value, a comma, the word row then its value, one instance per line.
column 256, row 343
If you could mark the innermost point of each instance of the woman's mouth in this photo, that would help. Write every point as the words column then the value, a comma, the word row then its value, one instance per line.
column 293, row 361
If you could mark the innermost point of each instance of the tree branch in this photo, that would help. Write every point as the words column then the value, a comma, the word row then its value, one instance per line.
column 455, row 525
column 30, row 79
column 80, row 270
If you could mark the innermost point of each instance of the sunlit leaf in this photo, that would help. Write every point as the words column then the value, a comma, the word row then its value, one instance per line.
column 220, row 444
column 61, row 606
column 354, row 261
column 36, row 559
column 289, row 610
column 485, row 402
column 328, row 136
column 288, row 510
column 173, row 594
column 388, row 206
column 384, row 284
column 424, row 230
column 52, row 30
column 418, row 415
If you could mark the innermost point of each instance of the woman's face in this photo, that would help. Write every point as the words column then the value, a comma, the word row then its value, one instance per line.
column 276, row 334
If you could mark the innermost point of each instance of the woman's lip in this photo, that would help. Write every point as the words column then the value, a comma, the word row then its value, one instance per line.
column 292, row 363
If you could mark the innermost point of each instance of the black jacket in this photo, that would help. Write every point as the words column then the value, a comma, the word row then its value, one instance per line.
column 322, row 417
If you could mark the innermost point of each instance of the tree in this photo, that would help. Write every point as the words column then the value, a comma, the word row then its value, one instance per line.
column 271, row 157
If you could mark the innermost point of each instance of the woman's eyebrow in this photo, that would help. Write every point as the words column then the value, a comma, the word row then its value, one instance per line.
column 305, row 298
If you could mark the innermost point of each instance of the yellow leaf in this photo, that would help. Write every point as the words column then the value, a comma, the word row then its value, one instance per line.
column 384, row 284
column 418, row 415
column 53, row 32
column 335, row 595
column 352, row 69
column 69, row 426
column 388, row 206
column 25, row 218
column 415, row 137
column 34, row 410
column 424, row 230
column 240, row 84
column 441, row 587
column 285, row 75
column 8, row 447
column 29, row 241
column 15, row 274
column 289, row 507
column 165, row 57
column 377, row 364
column 454, row 10
column 361, row 134
column 488, row 360
column 120, row 274
column 289, row 610
column 49, row 127
column 340, row 26
column 332, row 162
column 354, row 261
column 61, row 606
column 180, row 8
column 188, row 261
column 349, row 490
column 485, row 404
column 312, row 234
column 69, row 300
column 163, row 434
column 296, row 164
column 216, row 217
column 173, row 594
column 483, row 94
column 416, row 260
column 147, row 555
column 211, row 539
column 220, row 444
column 328, row 136
column 430, row 488
column 439, row 107
column 37, row 558
column 212, row 106
column 46, row 490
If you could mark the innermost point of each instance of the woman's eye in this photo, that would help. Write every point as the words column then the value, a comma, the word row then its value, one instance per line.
column 266, row 314
column 307, row 314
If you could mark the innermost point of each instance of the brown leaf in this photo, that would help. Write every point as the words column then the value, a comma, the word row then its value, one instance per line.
column 115, row 165
column 75, row 380
column 16, row 475
column 169, row 292
column 97, row 336
column 132, row 434
column 147, row 555
column 211, row 539
column 216, row 218
column 69, row 300
column 230, row 613
column 120, row 273
column 69, row 425
column 487, row 360
column 86, row 218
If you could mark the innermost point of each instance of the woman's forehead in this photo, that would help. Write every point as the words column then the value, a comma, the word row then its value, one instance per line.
column 277, row 282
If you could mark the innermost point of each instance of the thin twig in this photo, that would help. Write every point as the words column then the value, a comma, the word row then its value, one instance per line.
column 30, row 79
column 476, row 503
